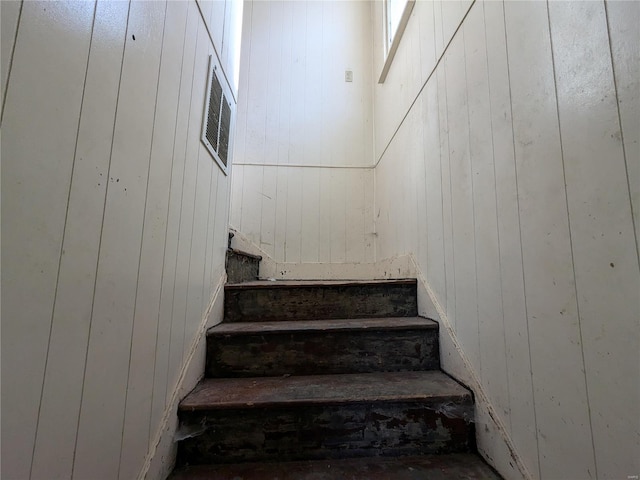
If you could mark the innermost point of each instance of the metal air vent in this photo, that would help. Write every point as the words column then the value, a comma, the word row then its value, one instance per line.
column 217, row 119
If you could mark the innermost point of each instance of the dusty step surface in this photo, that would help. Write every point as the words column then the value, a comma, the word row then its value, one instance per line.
column 427, row 467
column 325, row 416
column 266, row 301
column 322, row 347
column 226, row 393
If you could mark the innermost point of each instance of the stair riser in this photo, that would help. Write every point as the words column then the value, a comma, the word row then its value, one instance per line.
column 320, row 432
column 319, row 353
column 241, row 268
column 320, row 302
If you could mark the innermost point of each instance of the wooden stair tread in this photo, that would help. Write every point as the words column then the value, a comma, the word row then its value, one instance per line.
column 315, row 283
column 390, row 323
column 433, row 467
column 227, row 393
column 244, row 254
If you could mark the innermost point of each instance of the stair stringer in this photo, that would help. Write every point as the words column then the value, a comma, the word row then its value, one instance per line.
column 494, row 443
column 400, row 266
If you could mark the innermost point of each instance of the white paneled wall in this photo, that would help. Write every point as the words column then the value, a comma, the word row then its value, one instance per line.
column 295, row 106
column 508, row 166
column 305, row 214
column 297, row 116
column 114, row 220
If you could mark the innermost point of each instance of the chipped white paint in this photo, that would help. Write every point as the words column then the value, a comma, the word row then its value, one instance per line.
column 93, row 226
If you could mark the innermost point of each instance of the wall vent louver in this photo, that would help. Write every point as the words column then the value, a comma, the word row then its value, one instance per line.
column 217, row 119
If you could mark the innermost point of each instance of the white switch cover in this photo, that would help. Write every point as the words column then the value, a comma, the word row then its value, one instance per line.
column 348, row 76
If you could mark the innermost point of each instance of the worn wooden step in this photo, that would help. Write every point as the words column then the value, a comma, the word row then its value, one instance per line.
column 324, row 416
column 456, row 466
column 313, row 347
column 266, row 301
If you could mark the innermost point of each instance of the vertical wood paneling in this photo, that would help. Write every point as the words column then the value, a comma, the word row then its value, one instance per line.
column 451, row 18
column 425, row 12
column 191, row 147
column 105, row 382
column 45, row 97
column 530, row 212
column 270, row 88
column 607, row 274
column 329, row 92
column 242, row 106
column 293, row 229
column 204, row 163
column 99, row 212
column 420, row 172
column 310, row 213
column 311, row 121
column 369, row 226
column 231, row 41
column 145, row 328
column 521, row 409
column 195, row 310
column 297, row 100
column 252, row 201
column 208, row 279
column 257, row 85
column 462, row 201
column 295, row 57
column 547, row 257
column 438, row 34
column 487, row 242
column 300, row 111
column 215, row 14
column 221, row 230
column 624, row 36
column 62, row 389
column 434, row 220
column 282, row 184
column 167, row 328
column 237, row 179
column 414, row 151
column 354, row 215
column 324, row 216
column 337, row 206
column 268, row 210
column 445, row 164
column 9, row 16
column 283, row 132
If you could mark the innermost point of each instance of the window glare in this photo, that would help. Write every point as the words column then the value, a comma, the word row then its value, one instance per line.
column 394, row 14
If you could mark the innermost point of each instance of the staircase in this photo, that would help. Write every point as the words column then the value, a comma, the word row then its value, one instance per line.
column 326, row 380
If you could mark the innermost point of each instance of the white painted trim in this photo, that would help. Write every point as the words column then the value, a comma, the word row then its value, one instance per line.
column 165, row 432
column 396, row 38
column 434, row 310
column 302, row 165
